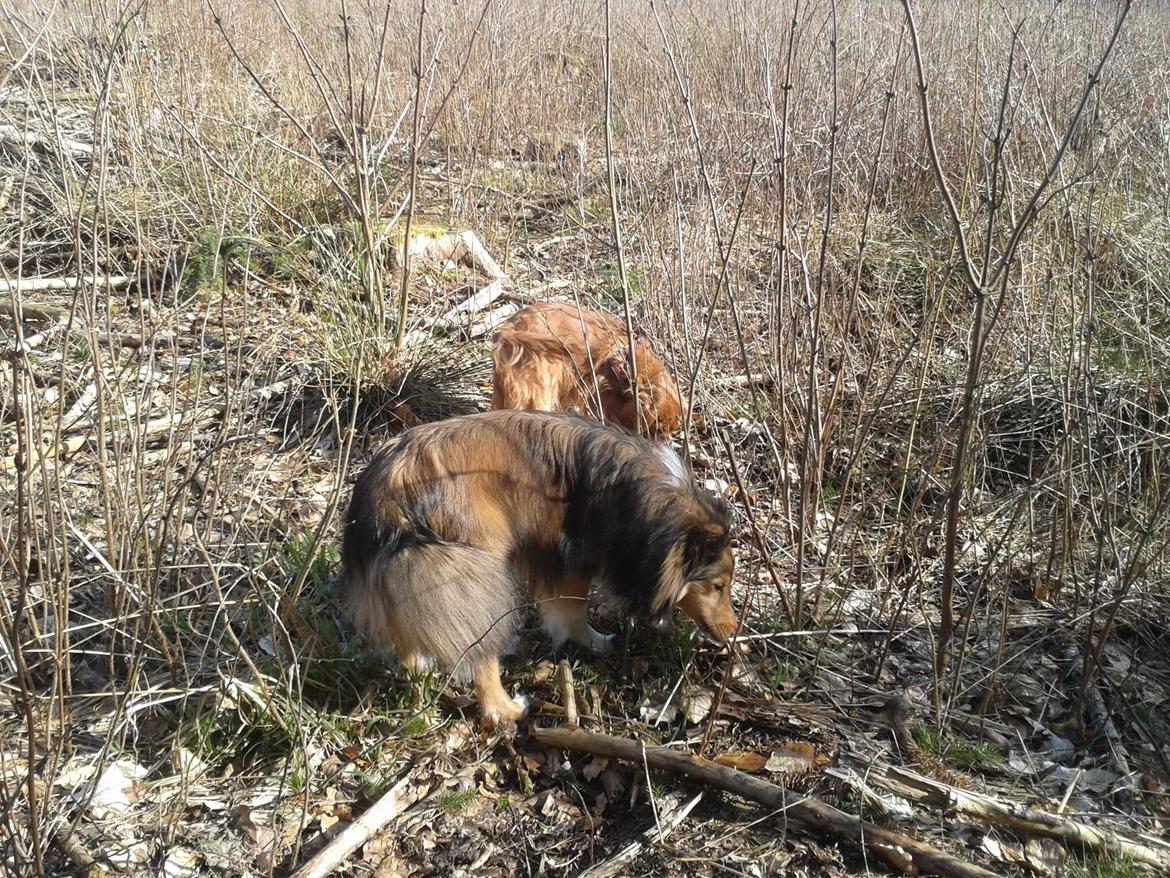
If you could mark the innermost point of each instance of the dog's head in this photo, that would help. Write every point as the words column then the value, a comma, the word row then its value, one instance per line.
column 697, row 574
column 659, row 404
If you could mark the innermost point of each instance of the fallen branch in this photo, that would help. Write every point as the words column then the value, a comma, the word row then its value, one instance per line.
column 41, row 284
column 29, row 309
column 30, row 342
column 655, row 834
column 762, row 381
column 25, row 137
column 984, row 808
column 455, row 316
column 492, row 319
column 893, row 848
column 540, row 292
column 70, row 444
column 568, row 693
column 472, row 305
column 393, row 803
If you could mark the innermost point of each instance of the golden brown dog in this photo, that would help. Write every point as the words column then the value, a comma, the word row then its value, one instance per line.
column 456, row 525
column 547, row 355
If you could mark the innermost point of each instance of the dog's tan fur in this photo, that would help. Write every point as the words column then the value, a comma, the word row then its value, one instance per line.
column 457, row 524
column 546, row 357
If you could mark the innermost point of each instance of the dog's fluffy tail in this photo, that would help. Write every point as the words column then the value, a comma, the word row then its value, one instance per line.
column 437, row 602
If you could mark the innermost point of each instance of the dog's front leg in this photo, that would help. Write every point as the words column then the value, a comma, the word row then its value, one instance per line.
column 495, row 704
column 565, row 616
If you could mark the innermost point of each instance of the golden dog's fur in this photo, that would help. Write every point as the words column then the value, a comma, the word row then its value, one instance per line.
column 456, row 525
column 546, row 357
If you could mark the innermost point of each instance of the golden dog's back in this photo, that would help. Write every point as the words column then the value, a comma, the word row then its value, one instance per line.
column 555, row 356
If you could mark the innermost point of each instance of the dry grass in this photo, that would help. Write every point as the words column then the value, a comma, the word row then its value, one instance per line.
column 167, row 558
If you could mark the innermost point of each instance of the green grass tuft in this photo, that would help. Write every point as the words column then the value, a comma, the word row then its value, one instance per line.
column 457, row 801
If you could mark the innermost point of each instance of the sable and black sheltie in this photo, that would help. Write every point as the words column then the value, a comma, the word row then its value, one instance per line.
column 458, row 524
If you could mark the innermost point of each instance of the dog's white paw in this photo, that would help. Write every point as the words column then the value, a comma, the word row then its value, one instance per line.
column 511, row 710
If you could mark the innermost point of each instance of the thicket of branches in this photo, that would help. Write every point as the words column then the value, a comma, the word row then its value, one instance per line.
column 911, row 262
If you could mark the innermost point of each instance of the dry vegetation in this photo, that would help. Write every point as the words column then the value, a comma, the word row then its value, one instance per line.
column 937, row 394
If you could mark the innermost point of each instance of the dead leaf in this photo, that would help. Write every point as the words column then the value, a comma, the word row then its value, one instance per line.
column 795, row 758
column 1044, row 588
column 1005, row 853
column 180, row 863
column 127, row 853
column 188, row 764
column 77, row 771
column 600, row 804
column 743, row 761
column 258, row 832
column 117, row 789
column 613, row 783
column 898, row 858
column 655, row 711
column 594, row 767
column 697, row 705
column 718, row 486
column 390, row 867
column 591, row 822
column 544, row 671
column 1044, row 856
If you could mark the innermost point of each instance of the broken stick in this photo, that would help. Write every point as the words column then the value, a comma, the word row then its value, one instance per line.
column 400, row 797
column 43, row 284
column 656, row 833
column 985, row 809
column 568, row 693
column 891, row 847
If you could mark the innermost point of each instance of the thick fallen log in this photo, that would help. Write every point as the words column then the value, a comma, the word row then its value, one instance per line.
column 899, row 851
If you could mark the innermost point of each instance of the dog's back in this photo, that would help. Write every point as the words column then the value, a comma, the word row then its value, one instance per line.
column 432, row 529
column 555, row 356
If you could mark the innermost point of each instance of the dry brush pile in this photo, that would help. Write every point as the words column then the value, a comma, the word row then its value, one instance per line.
column 911, row 262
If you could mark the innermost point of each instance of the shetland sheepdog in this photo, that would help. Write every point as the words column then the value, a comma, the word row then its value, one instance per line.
column 456, row 526
column 547, row 356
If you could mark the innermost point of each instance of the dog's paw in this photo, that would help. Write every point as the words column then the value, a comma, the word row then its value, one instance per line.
column 505, row 713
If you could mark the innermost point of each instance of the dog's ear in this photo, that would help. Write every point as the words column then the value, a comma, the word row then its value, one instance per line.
column 704, row 541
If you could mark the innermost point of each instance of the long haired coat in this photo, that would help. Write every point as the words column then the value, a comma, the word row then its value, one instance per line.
column 457, row 525
column 546, row 357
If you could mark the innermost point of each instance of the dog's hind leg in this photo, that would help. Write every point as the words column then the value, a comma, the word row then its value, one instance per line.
column 564, row 613
column 494, row 703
